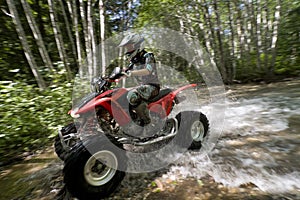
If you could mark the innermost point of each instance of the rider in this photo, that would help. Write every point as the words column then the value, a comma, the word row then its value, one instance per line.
column 142, row 66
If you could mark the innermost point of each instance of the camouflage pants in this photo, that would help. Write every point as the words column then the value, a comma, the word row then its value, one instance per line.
column 143, row 92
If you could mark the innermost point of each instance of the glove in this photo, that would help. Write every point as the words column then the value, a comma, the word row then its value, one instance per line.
column 127, row 74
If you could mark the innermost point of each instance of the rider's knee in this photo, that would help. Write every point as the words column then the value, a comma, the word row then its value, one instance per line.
column 133, row 98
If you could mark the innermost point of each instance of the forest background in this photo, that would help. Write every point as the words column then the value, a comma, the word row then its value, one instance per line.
column 43, row 44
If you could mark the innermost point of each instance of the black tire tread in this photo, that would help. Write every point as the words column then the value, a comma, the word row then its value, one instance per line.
column 74, row 164
column 185, row 120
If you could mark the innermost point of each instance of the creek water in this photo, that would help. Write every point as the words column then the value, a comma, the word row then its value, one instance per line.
column 259, row 144
column 260, row 140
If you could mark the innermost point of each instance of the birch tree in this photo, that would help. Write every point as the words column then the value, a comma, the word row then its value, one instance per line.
column 22, row 36
column 86, row 36
column 59, row 38
column 72, row 7
column 232, row 40
column 209, row 26
column 221, row 50
column 67, row 28
column 102, row 34
column 246, row 29
column 277, row 16
column 91, row 38
column 243, row 37
column 37, row 35
column 258, row 33
column 266, row 33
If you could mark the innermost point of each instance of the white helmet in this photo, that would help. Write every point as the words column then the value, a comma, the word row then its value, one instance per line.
column 134, row 39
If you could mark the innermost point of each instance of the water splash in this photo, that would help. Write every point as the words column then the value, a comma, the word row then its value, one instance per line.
column 256, row 146
column 259, row 114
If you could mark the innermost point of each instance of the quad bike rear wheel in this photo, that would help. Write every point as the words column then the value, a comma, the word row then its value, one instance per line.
column 193, row 129
column 92, row 170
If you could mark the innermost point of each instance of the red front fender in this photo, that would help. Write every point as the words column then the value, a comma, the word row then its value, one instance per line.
column 91, row 105
column 118, row 113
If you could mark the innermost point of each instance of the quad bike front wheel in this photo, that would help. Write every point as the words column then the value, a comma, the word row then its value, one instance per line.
column 92, row 171
column 193, row 129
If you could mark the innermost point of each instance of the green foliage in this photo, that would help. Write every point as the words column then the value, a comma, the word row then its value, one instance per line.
column 285, row 68
column 288, row 50
column 158, row 13
column 29, row 117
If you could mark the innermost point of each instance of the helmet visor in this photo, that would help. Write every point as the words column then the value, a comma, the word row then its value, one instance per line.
column 129, row 48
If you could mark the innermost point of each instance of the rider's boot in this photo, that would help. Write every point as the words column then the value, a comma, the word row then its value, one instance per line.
column 143, row 112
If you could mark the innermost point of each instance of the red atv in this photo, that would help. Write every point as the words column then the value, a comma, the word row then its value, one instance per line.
column 94, row 147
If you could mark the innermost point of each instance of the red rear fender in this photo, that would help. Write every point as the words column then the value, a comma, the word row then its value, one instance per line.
column 184, row 88
column 164, row 105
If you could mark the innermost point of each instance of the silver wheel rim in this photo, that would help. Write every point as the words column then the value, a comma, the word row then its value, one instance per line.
column 100, row 168
column 197, row 131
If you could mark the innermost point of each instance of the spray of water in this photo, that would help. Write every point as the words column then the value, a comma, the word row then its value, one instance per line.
column 255, row 148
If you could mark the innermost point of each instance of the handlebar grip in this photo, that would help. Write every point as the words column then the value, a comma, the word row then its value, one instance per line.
column 130, row 66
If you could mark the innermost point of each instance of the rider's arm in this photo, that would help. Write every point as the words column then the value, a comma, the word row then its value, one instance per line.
column 140, row 72
column 148, row 66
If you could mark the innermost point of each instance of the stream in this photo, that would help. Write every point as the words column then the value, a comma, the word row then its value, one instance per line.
column 257, row 156
column 260, row 143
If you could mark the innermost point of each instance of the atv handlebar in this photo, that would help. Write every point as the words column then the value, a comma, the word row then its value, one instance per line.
column 98, row 82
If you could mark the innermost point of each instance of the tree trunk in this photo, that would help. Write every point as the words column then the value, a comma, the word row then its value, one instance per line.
column 220, row 45
column 29, row 56
column 210, row 28
column 247, row 38
column 69, row 32
column 37, row 35
column 258, row 34
column 266, row 32
column 275, row 35
column 39, row 20
column 232, row 72
column 59, row 39
column 91, row 37
column 70, row 9
column 203, row 27
column 77, row 36
column 87, row 42
column 102, row 35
